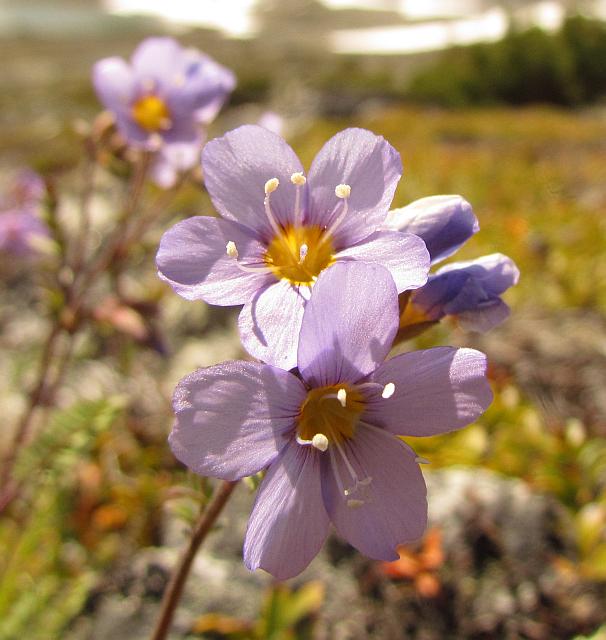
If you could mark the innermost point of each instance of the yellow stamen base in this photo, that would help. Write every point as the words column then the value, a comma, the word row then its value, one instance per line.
column 285, row 258
column 323, row 412
column 151, row 113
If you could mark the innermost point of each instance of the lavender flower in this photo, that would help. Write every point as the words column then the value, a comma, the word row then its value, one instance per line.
column 25, row 193
column 22, row 233
column 328, row 437
column 160, row 100
column 469, row 291
column 280, row 230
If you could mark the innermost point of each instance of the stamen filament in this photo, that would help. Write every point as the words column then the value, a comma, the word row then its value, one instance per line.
column 352, row 472
column 343, row 192
column 270, row 186
column 252, row 268
column 298, row 179
column 232, row 252
column 335, row 468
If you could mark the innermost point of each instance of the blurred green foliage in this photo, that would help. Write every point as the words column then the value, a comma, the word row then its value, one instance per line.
column 532, row 66
column 46, row 577
column 285, row 614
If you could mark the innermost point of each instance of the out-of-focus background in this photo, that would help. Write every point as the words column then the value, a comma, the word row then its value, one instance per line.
column 501, row 102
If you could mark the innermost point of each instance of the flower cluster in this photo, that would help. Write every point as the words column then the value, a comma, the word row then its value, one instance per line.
column 327, row 278
column 319, row 263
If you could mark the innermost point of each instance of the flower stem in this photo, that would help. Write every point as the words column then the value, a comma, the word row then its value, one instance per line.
column 36, row 396
column 174, row 589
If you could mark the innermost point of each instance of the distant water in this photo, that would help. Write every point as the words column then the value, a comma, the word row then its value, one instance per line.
column 432, row 24
column 232, row 17
column 433, row 35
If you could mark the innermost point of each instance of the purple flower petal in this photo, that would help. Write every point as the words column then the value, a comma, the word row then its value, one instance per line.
column 288, row 524
column 444, row 222
column 349, row 323
column 26, row 192
column 436, row 390
column 236, row 168
column 192, row 258
column 485, row 317
column 234, row 418
column 203, row 87
column 114, row 83
column 173, row 159
column 496, row 272
column 184, row 130
column 469, row 291
column 19, row 231
column 391, row 509
column 370, row 166
column 403, row 254
column 158, row 60
column 270, row 322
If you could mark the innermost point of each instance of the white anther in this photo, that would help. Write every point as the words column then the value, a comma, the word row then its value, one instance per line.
column 420, row 460
column 298, row 178
column 271, row 185
column 388, row 390
column 352, row 503
column 320, row 441
column 303, row 249
column 342, row 191
column 231, row 249
column 342, row 397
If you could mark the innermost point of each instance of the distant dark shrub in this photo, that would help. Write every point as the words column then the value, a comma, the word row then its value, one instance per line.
column 565, row 68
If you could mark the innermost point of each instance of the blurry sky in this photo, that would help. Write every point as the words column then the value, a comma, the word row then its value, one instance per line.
column 425, row 25
column 472, row 21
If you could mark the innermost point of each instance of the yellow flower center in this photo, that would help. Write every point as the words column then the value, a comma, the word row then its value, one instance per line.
column 151, row 113
column 333, row 411
column 299, row 254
